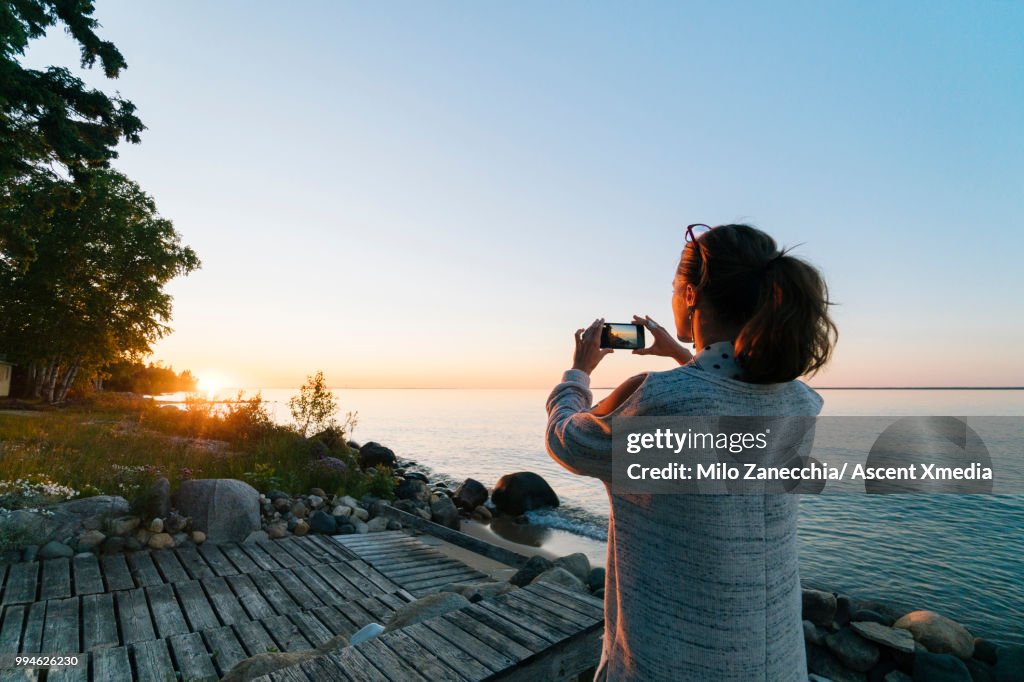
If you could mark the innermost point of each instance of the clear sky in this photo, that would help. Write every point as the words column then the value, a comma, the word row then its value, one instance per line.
column 439, row 193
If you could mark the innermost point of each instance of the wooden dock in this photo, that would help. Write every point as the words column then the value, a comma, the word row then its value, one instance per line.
column 191, row 614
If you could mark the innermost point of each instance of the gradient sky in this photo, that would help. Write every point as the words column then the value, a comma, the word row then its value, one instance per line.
column 434, row 194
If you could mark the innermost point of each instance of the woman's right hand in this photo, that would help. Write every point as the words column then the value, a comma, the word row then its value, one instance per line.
column 664, row 344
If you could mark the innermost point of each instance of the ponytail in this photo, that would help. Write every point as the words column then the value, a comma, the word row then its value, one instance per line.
column 779, row 302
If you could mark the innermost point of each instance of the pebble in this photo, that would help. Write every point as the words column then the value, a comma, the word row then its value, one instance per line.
column 985, row 650
column 198, row 537
column 156, row 525
column 316, row 501
column 853, row 651
column 319, row 492
column 360, row 513
column 342, row 510
column 55, row 550
column 819, row 607
column 301, row 528
column 394, row 525
column 89, row 540
column 122, row 525
column 377, row 524
column 322, row 522
column 160, row 541
column 277, row 530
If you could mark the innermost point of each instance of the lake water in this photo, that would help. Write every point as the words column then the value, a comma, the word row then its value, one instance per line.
column 957, row 554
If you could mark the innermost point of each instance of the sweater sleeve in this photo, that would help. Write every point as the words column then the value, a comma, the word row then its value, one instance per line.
column 578, row 440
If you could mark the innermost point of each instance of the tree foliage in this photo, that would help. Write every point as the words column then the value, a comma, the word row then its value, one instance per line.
column 92, row 290
column 315, row 407
column 137, row 377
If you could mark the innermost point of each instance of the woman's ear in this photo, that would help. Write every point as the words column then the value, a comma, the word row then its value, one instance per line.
column 691, row 296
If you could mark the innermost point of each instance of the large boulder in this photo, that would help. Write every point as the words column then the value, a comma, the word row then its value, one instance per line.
column 534, row 567
column 470, row 495
column 938, row 634
column 578, row 564
column 426, row 608
column 23, row 527
column 443, row 511
column 819, row 607
column 374, row 454
column 522, row 491
column 852, row 650
column 413, row 490
column 98, row 505
column 929, row 667
column 560, row 576
column 227, row 510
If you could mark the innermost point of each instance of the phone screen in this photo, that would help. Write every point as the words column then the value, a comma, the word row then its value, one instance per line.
column 626, row 336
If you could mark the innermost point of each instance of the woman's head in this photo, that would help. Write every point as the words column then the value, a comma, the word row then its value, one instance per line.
column 735, row 281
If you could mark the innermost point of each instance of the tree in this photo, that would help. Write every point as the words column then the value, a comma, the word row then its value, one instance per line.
column 50, row 116
column 314, row 407
column 92, row 292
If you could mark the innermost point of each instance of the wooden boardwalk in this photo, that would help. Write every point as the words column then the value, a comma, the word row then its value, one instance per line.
column 191, row 614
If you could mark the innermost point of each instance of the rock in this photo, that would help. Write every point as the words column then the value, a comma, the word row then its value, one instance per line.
column 819, row 607
column 154, row 500
column 416, row 476
column 560, row 576
column 29, row 553
column 301, row 528
column 263, row 664
column 937, row 633
column 853, row 651
column 132, row 544
column 377, row 524
column 113, row 545
column 534, row 567
column 318, row 449
column 225, row 509
column 820, row 661
column 983, row 672
column 894, row 638
column 426, row 608
column 867, row 615
column 475, row 592
column 274, row 494
column 92, row 523
column 360, row 526
column 315, row 501
column 481, row 514
column 394, row 524
column 160, row 541
column 578, row 564
column 470, row 494
column 1010, row 663
column 143, row 535
column 844, row 610
column 348, row 501
column 898, row 676
column 122, row 525
column 299, row 510
column 887, row 609
column 90, row 540
column 322, row 522
column 443, row 511
column 256, row 536
column 814, row 634
column 522, row 491
column 156, row 525
column 932, row 667
column 98, row 505
column 595, row 579
column 175, row 522
column 319, row 492
column 277, row 530
column 346, row 528
column 985, row 650
column 374, row 454
column 281, row 504
column 411, row 489
column 341, row 511
column 361, row 514
column 55, row 550
column 24, row 527
column 180, row 538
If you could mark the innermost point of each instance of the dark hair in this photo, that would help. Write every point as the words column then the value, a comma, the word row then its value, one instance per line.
column 779, row 302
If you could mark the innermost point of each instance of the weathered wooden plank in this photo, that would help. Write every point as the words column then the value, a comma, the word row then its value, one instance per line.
column 259, row 556
column 297, row 590
column 373, row 575
column 60, row 633
column 143, row 569
column 334, row 620
column 196, row 606
column 277, row 553
column 20, row 674
column 308, row 545
column 429, row 666
column 22, row 583
column 250, row 597
column 321, row 588
column 192, row 658
column 170, row 567
column 508, row 628
column 224, row 601
column 311, row 628
column 404, row 568
column 523, row 620
column 254, row 638
column 482, row 652
column 272, row 591
column 489, row 635
column 566, row 660
column 337, row 581
column 242, row 562
column 322, row 669
column 361, row 582
column 441, row 579
column 225, row 649
column 385, row 660
column 286, row 634
column 336, row 550
column 32, row 635
column 194, row 564
column 381, row 612
column 88, row 579
column 392, row 553
column 116, row 573
column 392, row 601
column 10, row 628
column 581, row 603
column 552, row 608
column 111, row 664
column 529, row 612
column 356, row 665
column 216, row 559
column 70, row 673
column 294, row 547
column 99, row 622
column 163, row 602
column 291, row 673
column 358, row 614
column 372, row 539
column 501, row 554
column 56, row 581
column 133, row 614
column 421, row 571
column 454, row 656
column 153, row 661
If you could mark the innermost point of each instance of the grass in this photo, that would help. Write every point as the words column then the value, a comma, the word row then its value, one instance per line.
column 117, row 445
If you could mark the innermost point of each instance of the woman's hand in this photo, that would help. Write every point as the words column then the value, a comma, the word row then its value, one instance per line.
column 664, row 344
column 588, row 347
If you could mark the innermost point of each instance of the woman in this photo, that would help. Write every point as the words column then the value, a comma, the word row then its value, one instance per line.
column 705, row 587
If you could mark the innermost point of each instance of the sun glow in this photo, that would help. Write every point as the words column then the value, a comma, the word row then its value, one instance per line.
column 209, row 385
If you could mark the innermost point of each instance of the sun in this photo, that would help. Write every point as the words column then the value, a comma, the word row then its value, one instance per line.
column 209, row 385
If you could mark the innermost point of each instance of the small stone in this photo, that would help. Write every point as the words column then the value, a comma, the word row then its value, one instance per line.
column 316, row 501
column 160, row 541
column 820, row 661
column 394, row 525
column 481, row 514
column 132, row 544
column 317, row 492
column 113, row 545
column 301, row 528
column 985, row 650
column 894, row 638
column 348, row 501
column 92, row 523
column 898, row 676
column 299, row 510
column 198, row 537
column 595, row 579
column 533, row 567
column 143, row 535
column 360, row 526
column 179, row 538
column 122, row 525
column 346, row 528
column 852, row 650
column 256, row 536
column 341, row 510
column 819, row 607
column 89, row 540
column 360, row 513
column 277, row 530
column 815, row 634
column 281, row 503
column 929, row 667
column 175, row 522
column 577, row 564
column 322, row 522
column 867, row 615
column 156, row 525
column 377, row 524
column 937, row 633
column 560, row 576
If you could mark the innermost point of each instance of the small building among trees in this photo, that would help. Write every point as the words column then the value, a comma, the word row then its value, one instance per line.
column 5, row 378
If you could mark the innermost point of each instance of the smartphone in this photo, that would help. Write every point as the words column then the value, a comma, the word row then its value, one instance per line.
column 626, row 336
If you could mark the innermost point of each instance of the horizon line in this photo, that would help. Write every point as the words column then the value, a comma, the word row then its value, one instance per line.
column 532, row 388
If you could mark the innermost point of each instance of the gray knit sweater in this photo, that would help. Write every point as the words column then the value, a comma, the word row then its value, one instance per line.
column 698, row 587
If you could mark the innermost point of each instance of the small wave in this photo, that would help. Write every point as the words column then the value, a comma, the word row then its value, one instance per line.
column 572, row 519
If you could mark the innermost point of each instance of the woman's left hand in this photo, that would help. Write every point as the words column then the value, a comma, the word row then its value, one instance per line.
column 588, row 347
